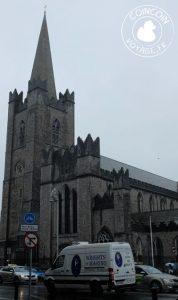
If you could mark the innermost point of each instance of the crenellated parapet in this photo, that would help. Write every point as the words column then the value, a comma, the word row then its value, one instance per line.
column 166, row 221
column 63, row 100
column 68, row 162
column 67, row 96
column 107, row 175
column 64, row 163
column 121, row 179
column 106, row 201
column 60, row 104
column 15, row 97
column 77, row 160
column 18, row 100
column 57, row 104
column 88, row 147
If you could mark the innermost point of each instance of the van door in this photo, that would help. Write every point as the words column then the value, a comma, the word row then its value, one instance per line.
column 123, row 266
column 59, row 267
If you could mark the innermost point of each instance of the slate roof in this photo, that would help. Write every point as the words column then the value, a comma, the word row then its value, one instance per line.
column 138, row 174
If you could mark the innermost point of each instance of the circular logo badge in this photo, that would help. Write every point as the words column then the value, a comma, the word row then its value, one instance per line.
column 118, row 259
column 76, row 265
column 147, row 31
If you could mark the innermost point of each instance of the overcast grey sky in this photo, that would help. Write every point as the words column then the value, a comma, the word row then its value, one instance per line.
column 130, row 102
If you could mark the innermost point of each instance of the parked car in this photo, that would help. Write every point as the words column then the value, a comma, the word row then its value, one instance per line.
column 149, row 277
column 40, row 273
column 17, row 274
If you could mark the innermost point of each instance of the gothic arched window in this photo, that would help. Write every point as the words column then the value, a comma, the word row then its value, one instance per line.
column 104, row 236
column 175, row 245
column 163, row 204
column 67, row 209
column 55, row 132
column 171, row 205
column 60, row 213
column 140, row 202
column 158, row 251
column 151, row 203
column 139, row 250
column 22, row 133
column 74, row 195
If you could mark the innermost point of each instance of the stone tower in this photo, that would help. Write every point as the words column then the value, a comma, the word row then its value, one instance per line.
column 35, row 124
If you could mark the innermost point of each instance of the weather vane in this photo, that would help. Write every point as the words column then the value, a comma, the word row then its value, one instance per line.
column 45, row 8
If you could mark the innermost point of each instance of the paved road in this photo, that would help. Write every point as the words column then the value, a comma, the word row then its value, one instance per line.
column 39, row 293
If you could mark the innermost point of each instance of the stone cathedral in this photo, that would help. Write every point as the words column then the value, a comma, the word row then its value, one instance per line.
column 78, row 194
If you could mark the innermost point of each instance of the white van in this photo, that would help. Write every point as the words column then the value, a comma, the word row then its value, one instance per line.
column 105, row 265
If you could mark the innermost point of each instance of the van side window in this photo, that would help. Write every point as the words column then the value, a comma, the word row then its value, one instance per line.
column 59, row 262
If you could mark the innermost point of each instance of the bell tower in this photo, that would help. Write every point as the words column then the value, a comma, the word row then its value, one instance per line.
column 40, row 121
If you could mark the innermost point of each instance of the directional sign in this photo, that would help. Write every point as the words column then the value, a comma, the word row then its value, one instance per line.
column 28, row 228
column 29, row 218
column 29, row 222
column 31, row 240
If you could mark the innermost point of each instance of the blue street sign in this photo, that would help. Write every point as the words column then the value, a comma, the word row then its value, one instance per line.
column 29, row 218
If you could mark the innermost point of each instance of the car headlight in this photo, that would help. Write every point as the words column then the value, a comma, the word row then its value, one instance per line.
column 168, row 280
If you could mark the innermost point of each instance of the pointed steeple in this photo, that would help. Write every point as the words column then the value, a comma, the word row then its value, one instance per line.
column 43, row 66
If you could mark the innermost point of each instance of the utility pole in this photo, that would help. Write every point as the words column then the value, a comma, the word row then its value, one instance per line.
column 151, row 236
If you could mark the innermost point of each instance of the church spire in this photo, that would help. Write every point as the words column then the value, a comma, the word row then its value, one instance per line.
column 43, row 67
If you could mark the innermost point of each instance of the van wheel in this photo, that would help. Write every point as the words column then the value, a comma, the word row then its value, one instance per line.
column 119, row 292
column 50, row 287
column 96, row 288
column 1, row 280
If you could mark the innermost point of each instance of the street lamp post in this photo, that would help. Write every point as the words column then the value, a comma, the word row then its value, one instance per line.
column 57, row 227
column 151, row 240
column 54, row 197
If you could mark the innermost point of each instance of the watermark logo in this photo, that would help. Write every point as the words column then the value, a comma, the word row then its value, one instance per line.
column 147, row 31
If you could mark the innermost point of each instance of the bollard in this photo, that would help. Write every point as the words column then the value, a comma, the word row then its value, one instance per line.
column 16, row 290
column 154, row 293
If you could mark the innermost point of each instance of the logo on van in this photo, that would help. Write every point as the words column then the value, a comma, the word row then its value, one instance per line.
column 118, row 259
column 76, row 265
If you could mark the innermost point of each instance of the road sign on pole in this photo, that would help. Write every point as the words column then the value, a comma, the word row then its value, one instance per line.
column 31, row 240
column 28, row 227
column 29, row 222
column 29, row 218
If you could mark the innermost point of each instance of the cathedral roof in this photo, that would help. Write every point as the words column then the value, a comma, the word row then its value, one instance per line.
column 43, row 66
column 139, row 174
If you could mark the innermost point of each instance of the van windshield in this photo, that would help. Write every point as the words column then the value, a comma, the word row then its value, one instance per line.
column 59, row 262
